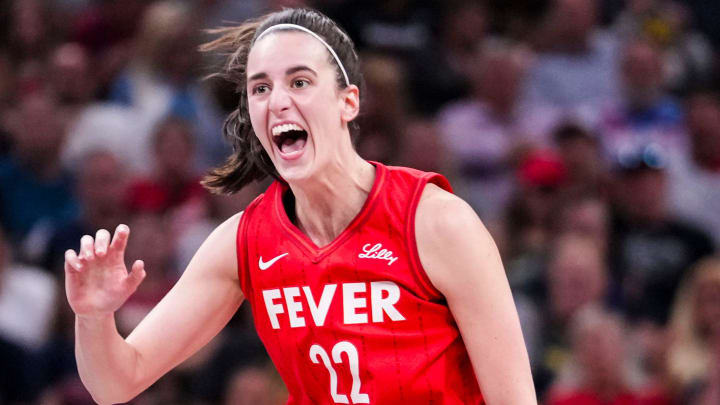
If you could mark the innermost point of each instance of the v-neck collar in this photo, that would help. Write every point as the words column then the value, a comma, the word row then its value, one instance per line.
column 301, row 239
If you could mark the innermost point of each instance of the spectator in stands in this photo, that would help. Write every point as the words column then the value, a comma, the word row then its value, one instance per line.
column 402, row 27
column 644, row 113
column 709, row 391
column 686, row 53
column 27, row 301
column 385, row 115
column 694, row 183
column 650, row 248
column 101, row 190
column 576, row 277
column 581, row 151
column 695, row 326
column 453, row 52
column 37, row 193
column 485, row 132
column 71, row 78
column 577, row 65
column 529, row 218
column 73, row 81
column 599, row 372
column 29, row 36
column 20, row 286
column 161, row 78
column 174, row 181
column 586, row 214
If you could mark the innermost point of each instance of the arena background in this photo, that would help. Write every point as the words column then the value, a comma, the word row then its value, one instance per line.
column 585, row 133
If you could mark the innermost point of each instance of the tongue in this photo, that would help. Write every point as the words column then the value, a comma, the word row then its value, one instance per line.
column 292, row 145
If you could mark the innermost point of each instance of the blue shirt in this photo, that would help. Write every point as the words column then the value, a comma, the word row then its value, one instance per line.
column 26, row 200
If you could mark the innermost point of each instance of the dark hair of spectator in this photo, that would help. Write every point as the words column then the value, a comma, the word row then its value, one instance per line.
column 249, row 161
column 569, row 131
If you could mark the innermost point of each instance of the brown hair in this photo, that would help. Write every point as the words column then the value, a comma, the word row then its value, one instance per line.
column 688, row 358
column 249, row 161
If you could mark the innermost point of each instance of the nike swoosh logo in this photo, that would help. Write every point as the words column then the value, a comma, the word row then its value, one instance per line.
column 265, row 265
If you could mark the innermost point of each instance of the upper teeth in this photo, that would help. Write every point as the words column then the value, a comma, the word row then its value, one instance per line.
column 284, row 128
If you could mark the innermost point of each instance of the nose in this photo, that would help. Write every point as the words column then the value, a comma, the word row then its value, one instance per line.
column 279, row 100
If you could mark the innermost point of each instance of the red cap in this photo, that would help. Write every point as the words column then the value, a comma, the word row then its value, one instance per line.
column 542, row 168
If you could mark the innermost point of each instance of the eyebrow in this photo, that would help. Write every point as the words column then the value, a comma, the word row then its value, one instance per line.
column 289, row 71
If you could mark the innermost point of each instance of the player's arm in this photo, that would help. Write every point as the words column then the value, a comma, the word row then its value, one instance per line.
column 97, row 283
column 462, row 261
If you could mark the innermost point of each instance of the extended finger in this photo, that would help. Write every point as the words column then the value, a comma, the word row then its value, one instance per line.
column 87, row 250
column 119, row 241
column 102, row 239
column 71, row 261
column 137, row 274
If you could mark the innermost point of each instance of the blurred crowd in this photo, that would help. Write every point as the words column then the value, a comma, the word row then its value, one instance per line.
column 585, row 133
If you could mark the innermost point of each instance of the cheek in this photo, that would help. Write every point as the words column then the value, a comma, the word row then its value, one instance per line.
column 258, row 120
column 256, row 116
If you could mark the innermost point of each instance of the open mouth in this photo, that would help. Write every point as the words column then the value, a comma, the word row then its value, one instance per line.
column 289, row 138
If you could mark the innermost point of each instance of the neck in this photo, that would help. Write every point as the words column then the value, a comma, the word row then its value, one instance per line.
column 326, row 204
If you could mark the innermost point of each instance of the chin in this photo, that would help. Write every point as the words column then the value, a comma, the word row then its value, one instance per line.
column 296, row 171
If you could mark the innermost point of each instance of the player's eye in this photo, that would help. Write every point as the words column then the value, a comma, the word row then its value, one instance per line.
column 260, row 89
column 300, row 83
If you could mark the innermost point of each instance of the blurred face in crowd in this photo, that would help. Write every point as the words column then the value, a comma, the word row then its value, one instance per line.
column 292, row 89
column 589, row 218
column 642, row 73
column 174, row 150
column 71, row 77
column 37, row 128
column 596, row 344
column 577, row 275
column 425, row 151
column 385, row 93
column 178, row 58
column 573, row 20
column 28, row 23
column 102, row 184
column 640, row 194
column 500, row 79
column 707, row 304
column 582, row 156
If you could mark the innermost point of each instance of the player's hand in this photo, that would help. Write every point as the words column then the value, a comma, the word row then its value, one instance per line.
column 97, row 281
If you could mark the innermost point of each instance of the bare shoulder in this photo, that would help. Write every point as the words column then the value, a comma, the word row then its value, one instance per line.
column 444, row 218
column 461, row 260
column 230, row 225
column 448, row 232
column 218, row 253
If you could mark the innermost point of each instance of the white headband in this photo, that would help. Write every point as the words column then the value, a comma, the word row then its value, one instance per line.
column 301, row 28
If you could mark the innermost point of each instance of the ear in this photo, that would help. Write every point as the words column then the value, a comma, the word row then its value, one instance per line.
column 350, row 99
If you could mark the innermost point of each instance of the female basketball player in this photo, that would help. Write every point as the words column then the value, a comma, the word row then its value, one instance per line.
column 368, row 284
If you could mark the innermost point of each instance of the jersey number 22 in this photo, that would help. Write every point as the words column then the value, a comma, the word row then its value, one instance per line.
column 317, row 353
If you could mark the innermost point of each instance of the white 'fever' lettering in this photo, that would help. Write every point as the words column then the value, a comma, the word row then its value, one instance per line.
column 319, row 312
column 351, row 303
column 383, row 297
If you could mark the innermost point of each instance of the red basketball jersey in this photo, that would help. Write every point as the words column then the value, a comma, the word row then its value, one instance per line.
column 356, row 321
